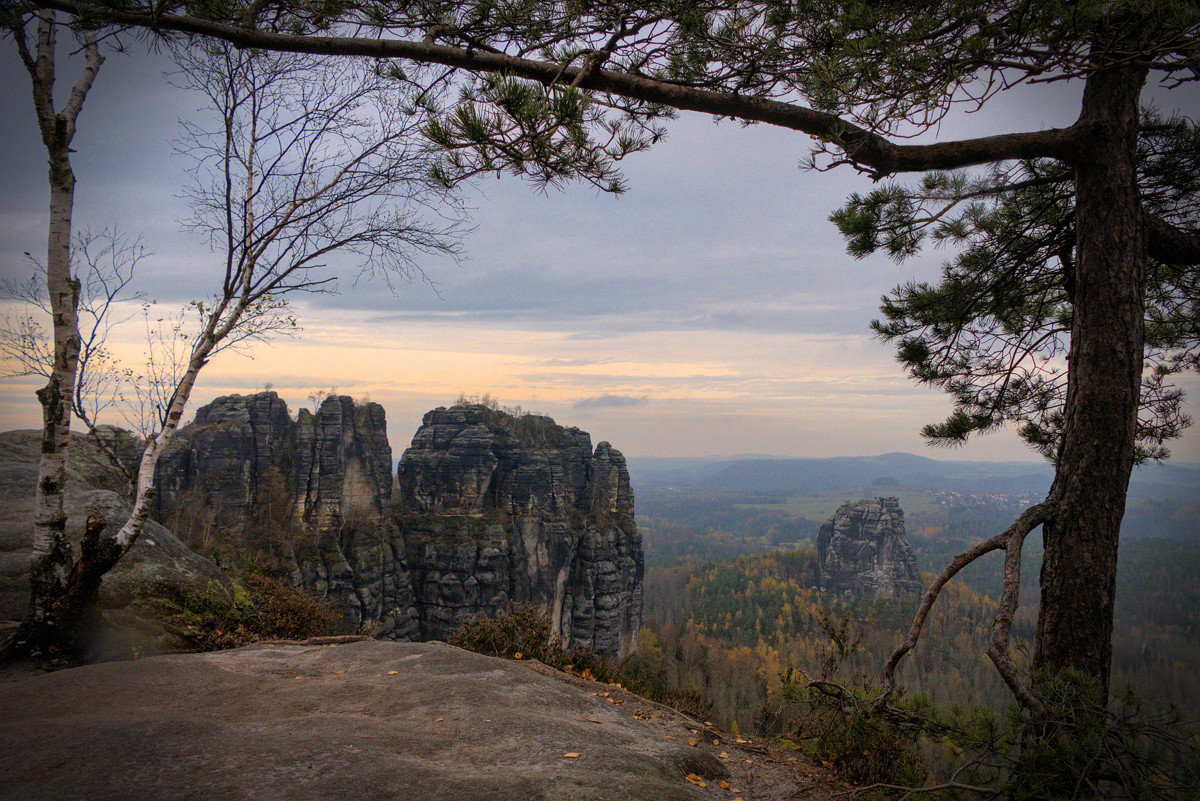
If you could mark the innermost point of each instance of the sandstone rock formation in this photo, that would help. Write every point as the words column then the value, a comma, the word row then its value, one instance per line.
column 314, row 491
column 863, row 552
column 491, row 509
column 498, row 509
column 236, row 450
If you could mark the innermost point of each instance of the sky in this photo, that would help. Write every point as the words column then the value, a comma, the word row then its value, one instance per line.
column 710, row 311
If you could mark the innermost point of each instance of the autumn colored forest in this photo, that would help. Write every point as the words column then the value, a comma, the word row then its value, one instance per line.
column 732, row 605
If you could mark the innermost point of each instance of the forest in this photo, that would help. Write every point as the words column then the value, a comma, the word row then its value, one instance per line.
column 732, row 604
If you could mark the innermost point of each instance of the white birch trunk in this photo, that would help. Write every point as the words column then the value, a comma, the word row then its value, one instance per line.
column 156, row 444
column 52, row 557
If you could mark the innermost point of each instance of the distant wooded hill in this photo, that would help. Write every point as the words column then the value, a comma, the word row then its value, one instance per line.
column 1178, row 482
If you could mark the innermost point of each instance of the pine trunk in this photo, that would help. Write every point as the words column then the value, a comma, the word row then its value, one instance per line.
column 1078, row 579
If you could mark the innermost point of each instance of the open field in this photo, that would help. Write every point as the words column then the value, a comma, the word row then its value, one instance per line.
column 820, row 506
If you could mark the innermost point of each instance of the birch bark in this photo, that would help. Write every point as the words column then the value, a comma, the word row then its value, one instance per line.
column 52, row 555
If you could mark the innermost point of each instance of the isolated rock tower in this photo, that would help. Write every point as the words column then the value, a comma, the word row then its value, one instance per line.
column 863, row 552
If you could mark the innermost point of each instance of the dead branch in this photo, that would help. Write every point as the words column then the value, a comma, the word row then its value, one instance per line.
column 908, row 792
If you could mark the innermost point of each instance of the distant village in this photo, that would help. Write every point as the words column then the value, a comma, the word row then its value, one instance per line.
column 950, row 498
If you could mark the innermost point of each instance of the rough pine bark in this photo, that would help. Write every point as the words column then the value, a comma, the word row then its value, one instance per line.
column 1078, row 578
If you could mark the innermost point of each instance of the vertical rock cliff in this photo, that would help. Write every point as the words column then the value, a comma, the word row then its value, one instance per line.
column 314, row 492
column 490, row 509
column 863, row 551
column 346, row 545
column 225, row 460
column 521, row 509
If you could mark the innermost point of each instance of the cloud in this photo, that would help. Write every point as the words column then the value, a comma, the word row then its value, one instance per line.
column 610, row 402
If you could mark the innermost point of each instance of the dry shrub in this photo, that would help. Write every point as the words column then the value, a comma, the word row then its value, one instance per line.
column 521, row 632
column 284, row 611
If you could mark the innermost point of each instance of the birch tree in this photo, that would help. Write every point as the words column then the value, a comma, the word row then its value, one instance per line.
column 35, row 36
column 294, row 161
column 104, row 264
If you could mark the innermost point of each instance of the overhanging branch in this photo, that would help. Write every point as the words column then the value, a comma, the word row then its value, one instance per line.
column 1171, row 245
column 863, row 147
column 1010, row 540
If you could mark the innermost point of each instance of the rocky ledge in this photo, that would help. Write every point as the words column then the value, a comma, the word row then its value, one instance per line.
column 365, row 720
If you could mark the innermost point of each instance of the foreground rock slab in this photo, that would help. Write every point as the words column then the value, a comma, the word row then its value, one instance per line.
column 354, row 721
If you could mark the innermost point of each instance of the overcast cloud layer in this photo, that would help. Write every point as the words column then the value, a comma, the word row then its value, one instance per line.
column 712, row 310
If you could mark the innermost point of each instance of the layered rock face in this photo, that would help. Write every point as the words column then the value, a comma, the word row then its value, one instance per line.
column 491, row 509
column 346, row 544
column 236, row 450
column 863, row 552
column 500, row 509
column 314, row 491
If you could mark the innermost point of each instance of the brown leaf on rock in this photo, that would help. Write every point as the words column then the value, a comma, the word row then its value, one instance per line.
column 570, row 755
column 696, row 780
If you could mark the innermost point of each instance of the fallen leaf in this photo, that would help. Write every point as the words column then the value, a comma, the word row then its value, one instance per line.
column 716, row 741
column 297, row 677
column 696, row 780
column 517, row 655
column 724, row 785
column 740, row 740
column 393, row 672
column 723, row 755
column 591, row 719
column 438, row 720
column 604, row 695
column 708, row 723
column 269, row 645
column 691, row 740
column 570, row 755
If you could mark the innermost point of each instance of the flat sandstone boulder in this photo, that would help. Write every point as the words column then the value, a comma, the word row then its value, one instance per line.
column 360, row 721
